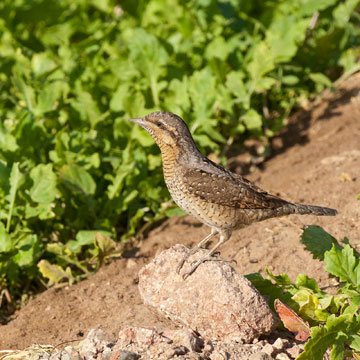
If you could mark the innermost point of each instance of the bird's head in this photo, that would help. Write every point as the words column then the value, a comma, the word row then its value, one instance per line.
column 167, row 129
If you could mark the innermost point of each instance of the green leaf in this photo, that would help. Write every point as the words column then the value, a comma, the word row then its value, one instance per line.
column 321, row 79
column 354, row 342
column 303, row 280
column 217, row 48
column 343, row 12
column 338, row 348
column 50, row 96
column 323, row 337
column 351, row 293
column 16, row 179
column 78, row 180
column 43, row 211
column 309, row 7
column 55, row 248
column 290, row 80
column 103, row 5
column 149, row 57
column 175, row 212
column 7, row 141
column 5, row 240
column 118, row 182
column 87, row 107
column 42, row 64
column 265, row 83
column 177, row 99
column 142, row 136
column 262, row 61
column 85, row 237
column 318, row 241
column 252, row 120
column 234, row 82
column 117, row 100
column 281, row 279
column 284, row 35
column 343, row 264
column 202, row 91
column 44, row 184
column 55, row 273
column 134, row 104
column 106, row 247
column 266, row 287
column 28, row 93
column 309, row 306
column 28, row 250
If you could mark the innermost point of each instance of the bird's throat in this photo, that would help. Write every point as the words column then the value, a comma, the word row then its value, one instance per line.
column 169, row 156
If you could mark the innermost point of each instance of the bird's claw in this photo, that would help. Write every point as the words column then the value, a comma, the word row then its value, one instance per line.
column 213, row 258
column 188, row 273
column 180, row 265
column 196, row 263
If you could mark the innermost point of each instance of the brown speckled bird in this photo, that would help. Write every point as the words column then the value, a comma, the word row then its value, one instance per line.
column 217, row 197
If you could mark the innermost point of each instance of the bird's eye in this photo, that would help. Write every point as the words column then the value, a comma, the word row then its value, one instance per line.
column 159, row 124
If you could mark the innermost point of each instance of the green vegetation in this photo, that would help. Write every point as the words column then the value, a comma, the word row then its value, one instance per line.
column 335, row 319
column 72, row 72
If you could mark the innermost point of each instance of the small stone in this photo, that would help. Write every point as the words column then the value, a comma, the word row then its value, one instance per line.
column 280, row 344
column 55, row 356
column 186, row 338
column 141, row 336
column 88, row 355
column 208, row 349
column 72, row 352
column 218, row 355
column 295, row 350
column 131, row 263
column 125, row 355
column 268, row 349
column 177, row 351
column 215, row 301
column 282, row 356
column 97, row 341
column 260, row 356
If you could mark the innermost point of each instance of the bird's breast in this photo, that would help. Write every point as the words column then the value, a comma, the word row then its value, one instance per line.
column 209, row 213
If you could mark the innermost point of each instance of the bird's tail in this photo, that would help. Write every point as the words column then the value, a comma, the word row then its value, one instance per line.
column 311, row 210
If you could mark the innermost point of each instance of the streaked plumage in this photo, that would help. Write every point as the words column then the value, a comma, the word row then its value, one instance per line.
column 217, row 197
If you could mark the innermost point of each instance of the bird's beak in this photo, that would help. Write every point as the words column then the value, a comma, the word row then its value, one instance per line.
column 139, row 121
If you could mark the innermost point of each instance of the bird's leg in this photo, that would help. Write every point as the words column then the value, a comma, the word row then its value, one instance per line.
column 195, row 249
column 209, row 256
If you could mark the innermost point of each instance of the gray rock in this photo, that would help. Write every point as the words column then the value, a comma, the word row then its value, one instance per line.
column 215, row 301
column 97, row 341
column 126, row 355
column 281, row 344
column 186, row 338
column 260, row 356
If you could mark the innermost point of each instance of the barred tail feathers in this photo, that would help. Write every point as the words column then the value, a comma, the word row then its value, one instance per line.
column 310, row 210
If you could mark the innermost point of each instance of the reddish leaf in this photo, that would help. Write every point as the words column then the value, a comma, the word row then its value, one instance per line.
column 292, row 321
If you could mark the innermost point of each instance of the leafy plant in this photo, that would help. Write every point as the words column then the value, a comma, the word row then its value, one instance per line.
column 335, row 319
column 72, row 72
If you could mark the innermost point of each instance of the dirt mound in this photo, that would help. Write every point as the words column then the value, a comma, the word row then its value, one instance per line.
column 317, row 161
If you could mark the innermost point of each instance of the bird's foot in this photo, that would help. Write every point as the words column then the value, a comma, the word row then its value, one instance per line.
column 195, row 249
column 181, row 263
column 185, row 257
column 208, row 257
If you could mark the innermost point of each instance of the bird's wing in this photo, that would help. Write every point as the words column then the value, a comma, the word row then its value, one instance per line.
column 229, row 189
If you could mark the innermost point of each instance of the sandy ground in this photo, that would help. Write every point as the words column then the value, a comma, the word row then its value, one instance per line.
column 316, row 161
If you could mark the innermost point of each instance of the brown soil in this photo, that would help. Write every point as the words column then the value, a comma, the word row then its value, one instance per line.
column 316, row 161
